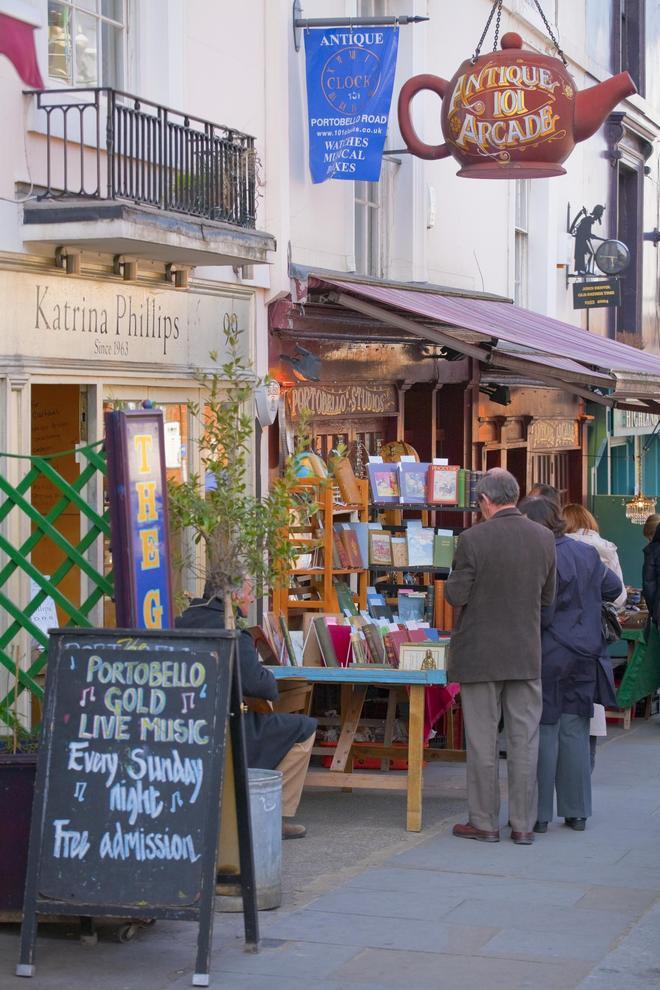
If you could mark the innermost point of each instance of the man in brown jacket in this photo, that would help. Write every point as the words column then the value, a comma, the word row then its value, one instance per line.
column 503, row 573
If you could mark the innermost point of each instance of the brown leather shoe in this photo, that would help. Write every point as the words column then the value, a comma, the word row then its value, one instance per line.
column 468, row 831
column 522, row 838
column 292, row 831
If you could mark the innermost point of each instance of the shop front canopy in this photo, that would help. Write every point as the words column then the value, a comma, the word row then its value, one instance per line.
column 503, row 336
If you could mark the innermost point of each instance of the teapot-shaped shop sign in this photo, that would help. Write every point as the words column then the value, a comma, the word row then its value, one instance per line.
column 511, row 114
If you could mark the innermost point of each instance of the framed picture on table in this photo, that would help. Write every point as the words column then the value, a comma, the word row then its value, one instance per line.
column 384, row 482
column 423, row 656
column 442, row 485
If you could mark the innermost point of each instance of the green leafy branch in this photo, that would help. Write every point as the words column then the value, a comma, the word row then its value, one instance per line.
column 244, row 536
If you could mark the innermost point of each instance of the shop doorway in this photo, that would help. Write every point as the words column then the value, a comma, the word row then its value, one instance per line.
column 561, row 469
column 516, row 463
column 58, row 418
column 361, row 436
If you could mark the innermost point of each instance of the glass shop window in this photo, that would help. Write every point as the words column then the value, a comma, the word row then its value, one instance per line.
column 87, row 42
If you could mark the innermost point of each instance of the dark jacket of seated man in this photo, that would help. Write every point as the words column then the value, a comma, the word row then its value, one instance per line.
column 268, row 737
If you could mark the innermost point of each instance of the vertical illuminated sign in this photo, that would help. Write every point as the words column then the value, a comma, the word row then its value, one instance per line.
column 137, row 487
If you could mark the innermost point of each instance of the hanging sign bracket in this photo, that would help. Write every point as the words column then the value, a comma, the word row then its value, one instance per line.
column 300, row 22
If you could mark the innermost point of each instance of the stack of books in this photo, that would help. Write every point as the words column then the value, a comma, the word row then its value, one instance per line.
column 350, row 546
column 376, row 636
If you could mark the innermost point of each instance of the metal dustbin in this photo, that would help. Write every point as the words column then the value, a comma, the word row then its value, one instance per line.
column 266, row 812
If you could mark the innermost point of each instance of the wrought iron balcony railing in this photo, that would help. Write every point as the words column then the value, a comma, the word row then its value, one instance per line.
column 103, row 144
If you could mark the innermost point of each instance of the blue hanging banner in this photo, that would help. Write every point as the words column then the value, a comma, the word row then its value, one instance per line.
column 350, row 77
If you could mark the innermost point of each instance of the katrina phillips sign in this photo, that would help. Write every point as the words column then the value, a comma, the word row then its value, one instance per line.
column 350, row 76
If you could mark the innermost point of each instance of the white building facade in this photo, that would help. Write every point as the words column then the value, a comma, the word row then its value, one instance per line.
column 123, row 254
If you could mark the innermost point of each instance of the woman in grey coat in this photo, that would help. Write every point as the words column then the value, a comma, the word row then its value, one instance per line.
column 573, row 646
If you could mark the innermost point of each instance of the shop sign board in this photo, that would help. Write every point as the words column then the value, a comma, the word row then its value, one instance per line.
column 350, row 76
column 627, row 423
column 511, row 114
column 352, row 399
column 140, row 539
column 597, row 293
column 51, row 317
column 129, row 779
column 553, row 434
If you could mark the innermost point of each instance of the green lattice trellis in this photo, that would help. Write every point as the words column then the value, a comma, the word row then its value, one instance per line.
column 43, row 527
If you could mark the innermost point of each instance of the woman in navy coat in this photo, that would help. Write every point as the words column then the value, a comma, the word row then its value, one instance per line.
column 573, row 647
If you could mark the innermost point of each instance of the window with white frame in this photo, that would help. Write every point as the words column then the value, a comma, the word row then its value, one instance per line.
column 367, row 228
column 373, row 218
column 87, row 42
column 373, row 200
column 521, row 241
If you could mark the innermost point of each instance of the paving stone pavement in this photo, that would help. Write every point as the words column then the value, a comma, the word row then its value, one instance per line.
column 370, row 907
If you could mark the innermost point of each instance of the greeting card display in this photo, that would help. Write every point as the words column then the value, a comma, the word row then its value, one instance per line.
column 413, row 482
column 420, row 546
column 399, row 551
column 380, row 548
column 384, row 482
column 442, row 485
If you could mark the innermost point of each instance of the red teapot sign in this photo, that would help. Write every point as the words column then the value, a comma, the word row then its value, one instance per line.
column 511, row 114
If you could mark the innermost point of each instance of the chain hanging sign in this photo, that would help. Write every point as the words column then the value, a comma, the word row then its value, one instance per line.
column 511, row 114
column 350, row 76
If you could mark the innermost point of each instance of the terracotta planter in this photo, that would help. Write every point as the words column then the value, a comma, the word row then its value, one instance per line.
column 17, row 772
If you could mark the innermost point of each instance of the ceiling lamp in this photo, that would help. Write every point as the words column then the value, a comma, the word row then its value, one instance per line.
column 640, row 507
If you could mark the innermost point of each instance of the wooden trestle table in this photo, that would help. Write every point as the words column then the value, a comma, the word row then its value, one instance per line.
column 354, row 682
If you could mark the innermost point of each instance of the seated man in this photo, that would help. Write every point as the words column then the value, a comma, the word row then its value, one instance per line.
column 273, row 741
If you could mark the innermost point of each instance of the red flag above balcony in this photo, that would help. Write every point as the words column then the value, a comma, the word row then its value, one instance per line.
column 17, row 43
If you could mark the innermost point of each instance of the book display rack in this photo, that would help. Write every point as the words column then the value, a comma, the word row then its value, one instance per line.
column 332, row 543
column 421, row 554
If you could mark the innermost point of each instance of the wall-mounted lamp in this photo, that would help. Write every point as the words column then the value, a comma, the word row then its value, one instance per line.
column 68, row 259
column 266, row 402
column 177, row 274
column 497, row 393
column 126, row 267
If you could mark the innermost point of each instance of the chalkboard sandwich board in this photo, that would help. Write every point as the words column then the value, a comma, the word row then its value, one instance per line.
column 129, row 778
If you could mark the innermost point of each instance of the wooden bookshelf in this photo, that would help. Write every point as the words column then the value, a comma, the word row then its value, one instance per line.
column 426, row 574
column 323, row 597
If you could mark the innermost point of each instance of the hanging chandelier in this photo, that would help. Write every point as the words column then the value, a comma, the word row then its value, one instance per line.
column 640, row 507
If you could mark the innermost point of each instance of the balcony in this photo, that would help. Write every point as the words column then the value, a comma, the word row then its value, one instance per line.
column 128, row 177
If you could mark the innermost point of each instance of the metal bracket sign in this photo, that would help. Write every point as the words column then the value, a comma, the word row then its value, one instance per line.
column 597, row 294
column 350, row 76
column 137, row 487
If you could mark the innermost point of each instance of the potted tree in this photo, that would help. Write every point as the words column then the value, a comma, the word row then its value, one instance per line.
column 243, row 535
